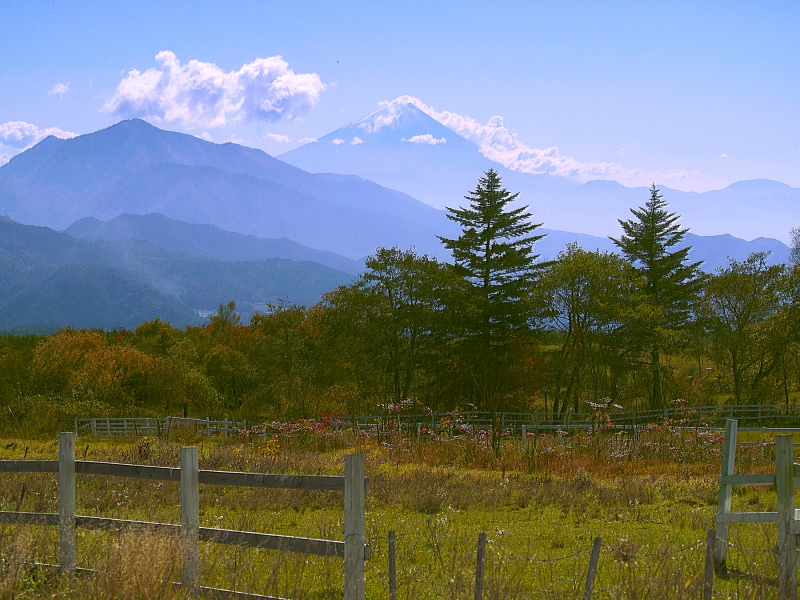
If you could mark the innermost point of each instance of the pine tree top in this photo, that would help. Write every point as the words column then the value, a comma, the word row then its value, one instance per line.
column 646, row 242
column 496, row 245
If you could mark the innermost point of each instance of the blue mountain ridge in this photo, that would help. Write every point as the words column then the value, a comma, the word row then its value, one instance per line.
column 440, row 175
column 134, row 167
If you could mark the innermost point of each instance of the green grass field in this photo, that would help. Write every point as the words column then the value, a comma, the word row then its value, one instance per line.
column 651, row 501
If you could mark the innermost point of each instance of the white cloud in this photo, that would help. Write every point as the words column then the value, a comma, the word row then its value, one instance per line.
column 19, row 134
column 425, row 139
column 724, row 156
column 206, row 136
column 338, row 141
column 277, row 137
column 356, row 141
column 4, row 158
column 235, row 139
column 59, row 89
column 307, row 140
column 202, row 94
column 496, row 143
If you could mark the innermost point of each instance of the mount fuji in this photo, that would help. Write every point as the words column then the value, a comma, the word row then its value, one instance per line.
column 402, row 147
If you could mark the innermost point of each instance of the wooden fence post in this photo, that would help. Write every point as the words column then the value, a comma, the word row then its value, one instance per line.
column 190, row 519
column 354, row 498
column 589, row 589
column 787, row 545
column 725, row 492
column 392, row 566
column 66, row 500
column 524, row 437
column 708, row 579
column 479, row 566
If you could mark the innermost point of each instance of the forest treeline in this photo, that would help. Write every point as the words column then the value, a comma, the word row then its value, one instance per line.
column 493, row 328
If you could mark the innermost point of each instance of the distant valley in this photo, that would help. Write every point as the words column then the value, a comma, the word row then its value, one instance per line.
column 50, row 279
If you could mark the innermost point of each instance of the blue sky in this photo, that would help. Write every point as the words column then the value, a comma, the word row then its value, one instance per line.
column 693, row 95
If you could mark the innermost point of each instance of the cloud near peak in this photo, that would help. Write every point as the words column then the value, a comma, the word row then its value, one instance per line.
column 19, row 134
column 425, row 139
column 202, row 94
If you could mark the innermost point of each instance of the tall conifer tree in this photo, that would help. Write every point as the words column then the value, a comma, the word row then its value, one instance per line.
column 671, row 284
column 495, row 252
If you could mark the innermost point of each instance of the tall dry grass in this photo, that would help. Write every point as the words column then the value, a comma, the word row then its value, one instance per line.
column 651, row 501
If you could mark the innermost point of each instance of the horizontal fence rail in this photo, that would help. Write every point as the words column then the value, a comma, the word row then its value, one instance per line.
column 354, row 484
column 512, row 423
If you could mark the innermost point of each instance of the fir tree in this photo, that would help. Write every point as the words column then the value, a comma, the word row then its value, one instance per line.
column 495, row 253
column 671, row 284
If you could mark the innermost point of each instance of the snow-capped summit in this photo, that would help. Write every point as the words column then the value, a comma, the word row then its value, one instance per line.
column 403, row 147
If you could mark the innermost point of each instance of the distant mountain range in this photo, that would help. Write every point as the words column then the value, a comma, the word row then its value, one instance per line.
column 212, row 242
column 133, row 167
column 204, row 240
column 166, row 224
column 402, row 147
column 52, row 279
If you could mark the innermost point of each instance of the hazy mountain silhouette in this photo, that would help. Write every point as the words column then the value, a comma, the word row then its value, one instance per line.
column 440, row 174
column 33, row 271
column 715, row 250
column 134, row 167
column 204, row 240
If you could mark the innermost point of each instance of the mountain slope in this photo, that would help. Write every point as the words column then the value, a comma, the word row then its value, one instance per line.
column 86, row 296
column 31, row 261
column 137, row 168
column 204, row 240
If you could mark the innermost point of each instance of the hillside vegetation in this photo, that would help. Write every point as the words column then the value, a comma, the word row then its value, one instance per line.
column 503, row 333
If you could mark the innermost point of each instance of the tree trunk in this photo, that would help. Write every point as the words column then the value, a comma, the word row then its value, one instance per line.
column 656, row 369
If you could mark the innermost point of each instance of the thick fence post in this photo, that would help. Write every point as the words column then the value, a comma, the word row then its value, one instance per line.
column 479, row 566
column 524, row 437
column 725, row 492
column 354, row 498
column 190, row 519
column 787, row 545
column 708, row 579
column 66, row 500
column 590, row 574
column 392, row 566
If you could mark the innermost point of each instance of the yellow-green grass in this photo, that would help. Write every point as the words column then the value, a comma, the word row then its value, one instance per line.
column 651, row 501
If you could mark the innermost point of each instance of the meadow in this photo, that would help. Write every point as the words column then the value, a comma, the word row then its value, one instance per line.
column 651, row 501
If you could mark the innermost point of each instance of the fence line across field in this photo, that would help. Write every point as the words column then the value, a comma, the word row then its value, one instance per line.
column 700, row 418
column 353, row 550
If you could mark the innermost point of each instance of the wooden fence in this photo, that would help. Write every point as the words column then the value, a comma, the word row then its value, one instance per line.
column 785, row 479
column 353, row 550
column 112, row 427
column 508, row 422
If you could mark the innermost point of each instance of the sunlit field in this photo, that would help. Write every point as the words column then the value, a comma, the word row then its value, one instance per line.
column 651, row 501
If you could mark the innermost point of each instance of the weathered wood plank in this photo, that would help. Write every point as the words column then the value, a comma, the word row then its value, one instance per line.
column 747, row 517
column 221, row 593
column 8, row 517
column 28, row 466
column 104, row 524
column 329, row 483
column 89, row 467
column 750, row 479
column 270, row 541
